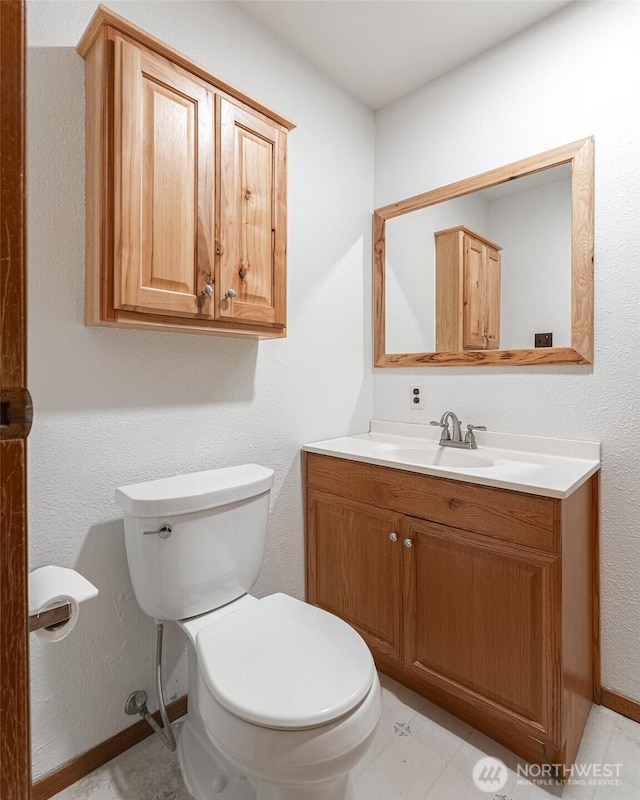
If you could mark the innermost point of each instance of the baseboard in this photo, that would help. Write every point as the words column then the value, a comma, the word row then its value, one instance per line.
column 77, row 768
column 623, row 705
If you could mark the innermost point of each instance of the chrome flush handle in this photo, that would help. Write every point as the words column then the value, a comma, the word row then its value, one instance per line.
column 163, row 532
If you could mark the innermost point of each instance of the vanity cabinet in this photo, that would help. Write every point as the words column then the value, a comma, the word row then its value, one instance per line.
column 186, row 192
column 479, row 598
column 468, row 268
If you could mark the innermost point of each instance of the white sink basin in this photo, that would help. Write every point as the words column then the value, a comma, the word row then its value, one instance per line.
column 439, row 457
column 537, row 465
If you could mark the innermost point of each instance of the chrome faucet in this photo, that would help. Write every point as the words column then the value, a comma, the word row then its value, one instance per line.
column 454, row 438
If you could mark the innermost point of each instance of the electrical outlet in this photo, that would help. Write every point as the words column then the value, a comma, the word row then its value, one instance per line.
column 543, row 340
column 416, row 396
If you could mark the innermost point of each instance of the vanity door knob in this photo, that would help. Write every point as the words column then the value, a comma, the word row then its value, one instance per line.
column 230, row 294
column 393, row 537
column 208, row 290
column 408, row 543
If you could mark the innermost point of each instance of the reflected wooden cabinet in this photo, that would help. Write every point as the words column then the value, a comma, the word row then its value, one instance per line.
column 186, row 192
column 481, row 600
column 467, row 291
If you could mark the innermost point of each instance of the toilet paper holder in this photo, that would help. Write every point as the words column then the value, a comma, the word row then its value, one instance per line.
column 50, row 619
column 55, row 596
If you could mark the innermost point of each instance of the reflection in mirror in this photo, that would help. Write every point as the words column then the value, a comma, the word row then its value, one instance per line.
column 494, row 269
column 530, row 220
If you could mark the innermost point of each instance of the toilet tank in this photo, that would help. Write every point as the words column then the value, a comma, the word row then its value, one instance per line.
column 214, row 549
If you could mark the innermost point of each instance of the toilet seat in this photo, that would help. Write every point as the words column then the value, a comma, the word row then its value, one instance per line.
column 284, row 664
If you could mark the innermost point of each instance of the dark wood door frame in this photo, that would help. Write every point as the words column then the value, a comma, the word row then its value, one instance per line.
column 15, row 758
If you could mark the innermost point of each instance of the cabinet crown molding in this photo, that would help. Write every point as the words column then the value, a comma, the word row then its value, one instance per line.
column 105, row 16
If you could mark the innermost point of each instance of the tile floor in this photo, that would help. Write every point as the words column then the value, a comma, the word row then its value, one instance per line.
column 419, row 753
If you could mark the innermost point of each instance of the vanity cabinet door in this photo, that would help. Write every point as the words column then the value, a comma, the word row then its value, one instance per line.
column 163, row 186
column 354, row 562
column 481, row 625
column 251, row 236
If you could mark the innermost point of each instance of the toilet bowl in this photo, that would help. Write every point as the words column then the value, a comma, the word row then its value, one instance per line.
column 284, row 698
column 287, row 696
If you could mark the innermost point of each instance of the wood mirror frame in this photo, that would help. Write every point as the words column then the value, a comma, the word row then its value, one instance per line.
column 581, row 156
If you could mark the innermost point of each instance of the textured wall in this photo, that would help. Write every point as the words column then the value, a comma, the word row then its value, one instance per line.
column 571, row 76
column 534, row 229
column 115, row 407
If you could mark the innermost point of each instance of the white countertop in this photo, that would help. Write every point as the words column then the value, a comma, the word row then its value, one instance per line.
column 531, row 464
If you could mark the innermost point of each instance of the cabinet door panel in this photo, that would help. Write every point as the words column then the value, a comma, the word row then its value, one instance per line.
column 480, row 622
column 168, row 204
column 492, row 291
column 354, row 568
column 163, row 186
column 474, row 302
column 251, row 227
column 481, row 304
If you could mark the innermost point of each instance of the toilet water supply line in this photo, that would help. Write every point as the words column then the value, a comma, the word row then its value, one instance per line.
column 137, row 702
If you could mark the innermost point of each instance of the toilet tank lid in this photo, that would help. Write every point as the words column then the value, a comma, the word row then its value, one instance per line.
column 195, row 491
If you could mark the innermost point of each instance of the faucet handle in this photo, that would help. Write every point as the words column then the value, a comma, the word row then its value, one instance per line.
column 446, row 435
column 470, row 439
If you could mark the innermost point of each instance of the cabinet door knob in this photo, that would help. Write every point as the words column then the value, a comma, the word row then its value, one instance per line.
column 208, row 290
column 393, row 537
column 230, row 294
column 408, row 543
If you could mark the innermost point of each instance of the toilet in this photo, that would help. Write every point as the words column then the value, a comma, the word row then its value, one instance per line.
column 284, row 698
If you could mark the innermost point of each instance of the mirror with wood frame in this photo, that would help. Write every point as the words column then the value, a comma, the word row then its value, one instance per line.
column 494, row 269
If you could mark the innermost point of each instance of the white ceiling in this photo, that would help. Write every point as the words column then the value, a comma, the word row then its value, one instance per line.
column 379, row 50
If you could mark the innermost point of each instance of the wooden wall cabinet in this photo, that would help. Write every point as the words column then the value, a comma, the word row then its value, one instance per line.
column 481, row 599
column 467, row 291
column 186, row 192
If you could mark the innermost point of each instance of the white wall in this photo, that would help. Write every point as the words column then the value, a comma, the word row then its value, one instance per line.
column 571, row 76
column 532, row 224
column 534, row 229
column 114, row 407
